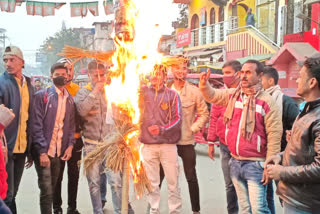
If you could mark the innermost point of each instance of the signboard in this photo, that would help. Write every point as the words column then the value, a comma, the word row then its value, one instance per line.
column 181, row 1
column 282, row 74
column 203, row 16
column 183, row 38
column 174, row 50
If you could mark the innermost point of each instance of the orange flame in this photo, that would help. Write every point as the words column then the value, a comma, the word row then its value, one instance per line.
column 134, row 59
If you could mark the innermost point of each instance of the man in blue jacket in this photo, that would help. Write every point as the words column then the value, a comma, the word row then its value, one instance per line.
column 16, row 93
column 53, row 129
column 160, row 132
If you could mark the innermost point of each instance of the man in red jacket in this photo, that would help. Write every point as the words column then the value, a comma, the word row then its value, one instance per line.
column 253, row 133
column 6, row 117
column 231, row 79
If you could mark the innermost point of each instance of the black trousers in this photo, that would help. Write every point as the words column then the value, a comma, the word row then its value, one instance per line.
column 14, row 167
column 188, row 156
column 73, row 179
column 47, row 180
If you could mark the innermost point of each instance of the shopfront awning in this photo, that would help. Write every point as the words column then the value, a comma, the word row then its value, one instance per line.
column 260, row 58
column 216, row 54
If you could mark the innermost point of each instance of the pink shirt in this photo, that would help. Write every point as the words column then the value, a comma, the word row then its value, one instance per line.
column 56, row 140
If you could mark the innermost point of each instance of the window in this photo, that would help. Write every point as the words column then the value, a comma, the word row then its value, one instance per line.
column 266, row 21
column 212, row 16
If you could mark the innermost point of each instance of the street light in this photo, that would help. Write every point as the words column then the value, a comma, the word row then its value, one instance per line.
column 304, row 17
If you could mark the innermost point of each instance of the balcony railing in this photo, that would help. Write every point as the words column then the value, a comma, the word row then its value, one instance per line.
column 213, row 33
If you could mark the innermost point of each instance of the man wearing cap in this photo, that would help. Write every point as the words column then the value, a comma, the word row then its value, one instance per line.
column 73, row 169
column 16, row 93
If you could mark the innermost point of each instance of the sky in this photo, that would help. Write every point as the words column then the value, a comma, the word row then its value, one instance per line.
column 29, row 32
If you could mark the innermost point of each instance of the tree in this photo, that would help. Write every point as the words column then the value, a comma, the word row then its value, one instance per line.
column 182, row 20
column 54, row 45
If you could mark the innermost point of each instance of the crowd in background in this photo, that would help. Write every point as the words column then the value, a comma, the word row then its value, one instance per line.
column 262, row 135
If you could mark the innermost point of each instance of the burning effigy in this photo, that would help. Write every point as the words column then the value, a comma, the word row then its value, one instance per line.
column 136, row 38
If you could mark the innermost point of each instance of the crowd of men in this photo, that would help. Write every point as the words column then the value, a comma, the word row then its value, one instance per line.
column 262, row 136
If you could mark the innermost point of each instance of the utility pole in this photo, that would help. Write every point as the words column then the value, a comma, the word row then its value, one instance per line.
column 3, row 37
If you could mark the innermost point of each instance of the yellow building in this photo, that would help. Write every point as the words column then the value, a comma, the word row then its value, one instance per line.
column 219, row 32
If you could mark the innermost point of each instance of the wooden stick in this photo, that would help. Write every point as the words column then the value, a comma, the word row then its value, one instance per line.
column 125, row 187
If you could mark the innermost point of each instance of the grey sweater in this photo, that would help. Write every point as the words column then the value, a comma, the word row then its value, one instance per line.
column 93, row 110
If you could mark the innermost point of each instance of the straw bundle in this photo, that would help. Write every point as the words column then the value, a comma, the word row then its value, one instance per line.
column 176, row 60
column 77, row 54
column 116, row 152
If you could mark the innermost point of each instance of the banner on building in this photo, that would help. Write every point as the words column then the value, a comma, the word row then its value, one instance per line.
column 203, row 16
column 10, row 5
column 81, row 8
column 35, row 8
column 183, row 38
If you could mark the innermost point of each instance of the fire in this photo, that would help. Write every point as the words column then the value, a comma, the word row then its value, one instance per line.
column 137, row 156
column 136, row 36
column 134, row 58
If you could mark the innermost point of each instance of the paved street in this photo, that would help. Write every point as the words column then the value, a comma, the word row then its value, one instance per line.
column 210, row 180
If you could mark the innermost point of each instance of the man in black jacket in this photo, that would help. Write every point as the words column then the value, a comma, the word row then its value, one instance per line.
column 288, row 107
column 289, row 110
column 298, row 167
column 16, row 93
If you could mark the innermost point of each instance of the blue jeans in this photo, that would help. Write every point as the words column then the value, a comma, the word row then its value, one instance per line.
column 103, row 186
column 94, row 181
column 232, row 200
column 289, row 209
column 252, row 194
column 3, row 208
column 270, row 198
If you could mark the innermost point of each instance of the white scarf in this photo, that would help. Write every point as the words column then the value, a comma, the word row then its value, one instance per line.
column 277, row 95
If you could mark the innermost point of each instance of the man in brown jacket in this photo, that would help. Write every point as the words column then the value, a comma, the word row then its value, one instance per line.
column 192, row 104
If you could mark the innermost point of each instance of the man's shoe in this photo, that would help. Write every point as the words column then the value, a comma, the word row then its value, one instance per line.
column 103, row 202
column 58, row 211
column 72, row 211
